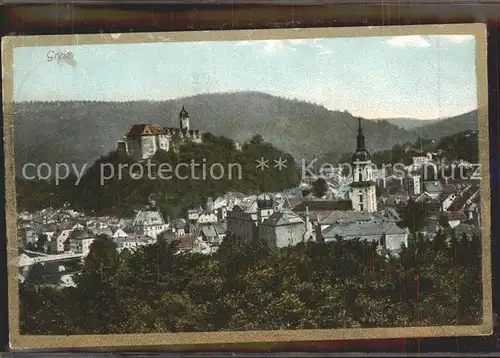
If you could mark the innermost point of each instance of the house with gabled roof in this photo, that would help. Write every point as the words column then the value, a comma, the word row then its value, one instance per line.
column 283, row 228
column 61, row 241
column 80, row 241
column 186, row 244
column 119, row 234
column 149, row 222
column 387, row 234
column 133, row 242
column 242, row 222
column 433, row 188
column 466, row 229
column 453, row 218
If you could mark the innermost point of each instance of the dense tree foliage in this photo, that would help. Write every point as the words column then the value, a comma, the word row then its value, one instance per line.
column 341, row 284
column 319, row 187
column 414, row 214
column 42, row 243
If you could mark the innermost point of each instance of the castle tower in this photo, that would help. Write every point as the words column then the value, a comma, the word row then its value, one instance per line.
column 184, row 120
column 362, row 189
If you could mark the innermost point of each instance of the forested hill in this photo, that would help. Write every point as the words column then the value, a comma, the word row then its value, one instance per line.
column 77, row 132
column 463, row 145
column 435, row 129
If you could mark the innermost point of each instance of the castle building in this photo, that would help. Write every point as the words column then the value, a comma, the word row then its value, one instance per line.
column 144, row 140
column 362, row 191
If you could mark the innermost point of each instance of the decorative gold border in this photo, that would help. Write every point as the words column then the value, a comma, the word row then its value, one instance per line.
column 18, row 341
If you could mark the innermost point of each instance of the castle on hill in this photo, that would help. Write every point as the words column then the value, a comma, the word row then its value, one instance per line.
column 144, row 140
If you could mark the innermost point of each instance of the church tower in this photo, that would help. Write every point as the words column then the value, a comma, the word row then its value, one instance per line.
column 362, row 189
column 184, row 120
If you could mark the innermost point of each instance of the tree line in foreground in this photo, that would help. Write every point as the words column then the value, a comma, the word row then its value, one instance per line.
column 341, row 284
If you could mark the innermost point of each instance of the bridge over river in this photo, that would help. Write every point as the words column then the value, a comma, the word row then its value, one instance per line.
column 24, row 260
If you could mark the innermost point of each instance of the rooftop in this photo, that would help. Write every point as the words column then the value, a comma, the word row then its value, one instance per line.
column 283, row 218
column 82, row 235
column 432, row 187
column 346, row 216
column 148, row 217
column 146, row 130
column 323, row 205
column 371, row 228
column 455, row 215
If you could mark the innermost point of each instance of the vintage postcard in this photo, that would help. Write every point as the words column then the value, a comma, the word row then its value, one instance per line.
column 247, row 186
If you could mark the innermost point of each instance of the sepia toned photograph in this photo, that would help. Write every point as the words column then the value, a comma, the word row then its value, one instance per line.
column 247, row 186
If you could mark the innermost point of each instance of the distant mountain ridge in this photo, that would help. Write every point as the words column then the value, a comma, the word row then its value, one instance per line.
column 427, row 127
column 408, row 123
column 82, row 131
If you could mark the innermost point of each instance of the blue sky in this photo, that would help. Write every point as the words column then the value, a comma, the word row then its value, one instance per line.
column 379, row 77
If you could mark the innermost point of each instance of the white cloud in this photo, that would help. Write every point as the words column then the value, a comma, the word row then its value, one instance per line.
column 420, row 41
column 408, row 41
column 322, row 50
column 246, row 43
column 325, row 52
column 273, row 46
column 296, row 41
column 457, row 39
column 285, row 46
column 291, row 42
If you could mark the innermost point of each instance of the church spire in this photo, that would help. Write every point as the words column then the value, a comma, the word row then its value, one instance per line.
column 184, row 120
column 361, row 137
column 361, row 154
column 183, row 113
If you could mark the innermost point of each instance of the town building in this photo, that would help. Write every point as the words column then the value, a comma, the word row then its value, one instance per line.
column 319, row 209
column 194, row 214
column 149, row 222
column 433, row 188
column 119, row 234
column 28, row 235
column 388, row 235
column 414, row 183
column 60, row 243
column 48, row 230
column 466, row 230
column 207, row 218
column 80, row 241
column 186, row 244
column 243, row 220
column 209, row 238
column 132, row 242
column 213, row 233
column 285, row 228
